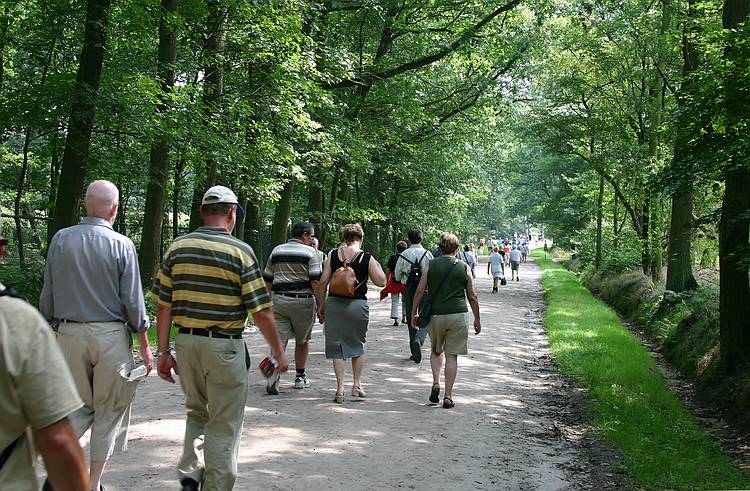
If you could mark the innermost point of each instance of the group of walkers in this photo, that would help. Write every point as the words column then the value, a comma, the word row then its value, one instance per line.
column 85, row 377
column 207, row 285
column 506, row 254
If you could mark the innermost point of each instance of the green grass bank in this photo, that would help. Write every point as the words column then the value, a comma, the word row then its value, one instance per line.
column 663, row 445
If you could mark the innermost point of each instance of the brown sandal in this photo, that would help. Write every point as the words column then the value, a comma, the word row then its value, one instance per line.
column 448, row 402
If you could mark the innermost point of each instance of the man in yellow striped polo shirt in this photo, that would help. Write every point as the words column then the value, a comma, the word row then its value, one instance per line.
column 208, row 283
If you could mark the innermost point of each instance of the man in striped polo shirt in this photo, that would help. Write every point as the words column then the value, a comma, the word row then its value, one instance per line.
column 208, row 283
column 292, row 274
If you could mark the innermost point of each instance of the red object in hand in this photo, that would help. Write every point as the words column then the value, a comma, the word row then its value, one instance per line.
column 268, row 366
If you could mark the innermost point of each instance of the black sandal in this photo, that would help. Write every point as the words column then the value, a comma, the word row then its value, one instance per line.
column 448, row 402
column 435, row 393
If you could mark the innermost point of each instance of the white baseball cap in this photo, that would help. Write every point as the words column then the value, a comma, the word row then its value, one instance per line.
column 221, row 194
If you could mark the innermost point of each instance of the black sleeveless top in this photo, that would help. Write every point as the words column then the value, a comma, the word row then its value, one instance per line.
column 360, row 267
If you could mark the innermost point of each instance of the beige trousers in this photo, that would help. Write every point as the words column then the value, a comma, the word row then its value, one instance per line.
column 213, row 376
column 94, row 352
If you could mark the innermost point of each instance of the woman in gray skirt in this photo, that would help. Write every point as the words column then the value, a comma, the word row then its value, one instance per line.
column 346, row 318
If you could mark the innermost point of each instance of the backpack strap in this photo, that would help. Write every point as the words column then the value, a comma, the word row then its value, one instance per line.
column 354, row 259
column 405, row 259
column 361, row 256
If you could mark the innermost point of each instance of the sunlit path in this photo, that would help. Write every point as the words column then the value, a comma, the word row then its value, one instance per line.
column 499, row 436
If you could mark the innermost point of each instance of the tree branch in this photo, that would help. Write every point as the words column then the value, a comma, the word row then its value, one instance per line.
column 428, row 59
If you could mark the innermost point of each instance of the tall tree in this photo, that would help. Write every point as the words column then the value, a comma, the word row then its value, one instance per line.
column 153, row 211
column 213, row 90
column 81, row 122
column 734, row 288
column 599, row 217
column 679, row 260
column 282, row 214
column 252, row 228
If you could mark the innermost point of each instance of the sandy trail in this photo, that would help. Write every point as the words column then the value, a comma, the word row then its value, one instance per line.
column 504, row 432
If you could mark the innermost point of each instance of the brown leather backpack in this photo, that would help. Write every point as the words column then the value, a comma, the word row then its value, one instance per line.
column 344, row 279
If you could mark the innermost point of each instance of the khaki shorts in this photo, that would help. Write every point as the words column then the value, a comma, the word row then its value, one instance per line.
column 295, row 317
column 449, row 333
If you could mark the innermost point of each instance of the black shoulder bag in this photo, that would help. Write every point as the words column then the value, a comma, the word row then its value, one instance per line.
column 425, row 311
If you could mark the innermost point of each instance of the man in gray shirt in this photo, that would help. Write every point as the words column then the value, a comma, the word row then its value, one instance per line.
column 92, row 289
column 515, row 263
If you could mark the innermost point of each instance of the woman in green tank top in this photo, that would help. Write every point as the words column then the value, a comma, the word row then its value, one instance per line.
column 449, row 285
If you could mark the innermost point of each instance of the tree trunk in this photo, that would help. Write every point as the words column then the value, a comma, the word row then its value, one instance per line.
column 213, row 89
column 679, row 259
column 651, row 240
column 81, row 123
column 645, row 234
column 315, row 202
column 599, row 213
column 615, row 225
column 734, row 303
column 4, row 25
column 335, row 172
column 282, row 214
column 54, row 171
column 29, row 210
column 153, row 212
column 344, row 185
column 20, row 242
column 253, row 228
column 372, row 238
column 656, row 243
column 239, row 226
column 121, row 225
column 176, row 189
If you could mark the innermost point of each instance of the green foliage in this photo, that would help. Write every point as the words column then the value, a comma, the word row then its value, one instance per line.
column 27, row 283
column 664, row 446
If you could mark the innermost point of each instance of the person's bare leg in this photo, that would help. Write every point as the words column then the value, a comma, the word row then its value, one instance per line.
column 95, row 474
column 301, row 351
column 339, row 367
column 436, row 362
column 357, row 363
column 451, row 370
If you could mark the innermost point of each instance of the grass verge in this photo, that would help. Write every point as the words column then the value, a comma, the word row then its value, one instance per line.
column 152, row 337
column 663, row 444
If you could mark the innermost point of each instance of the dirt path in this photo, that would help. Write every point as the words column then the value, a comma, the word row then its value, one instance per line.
column 507, row 431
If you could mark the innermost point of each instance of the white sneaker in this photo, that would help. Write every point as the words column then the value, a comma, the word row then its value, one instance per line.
column 301, row 382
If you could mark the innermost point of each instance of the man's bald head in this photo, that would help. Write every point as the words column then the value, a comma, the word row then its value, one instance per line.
column 102, row 198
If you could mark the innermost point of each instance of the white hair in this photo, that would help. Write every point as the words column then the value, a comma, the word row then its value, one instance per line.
column 101, row 196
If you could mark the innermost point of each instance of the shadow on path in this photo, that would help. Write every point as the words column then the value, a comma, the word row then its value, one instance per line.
column 506, row 431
